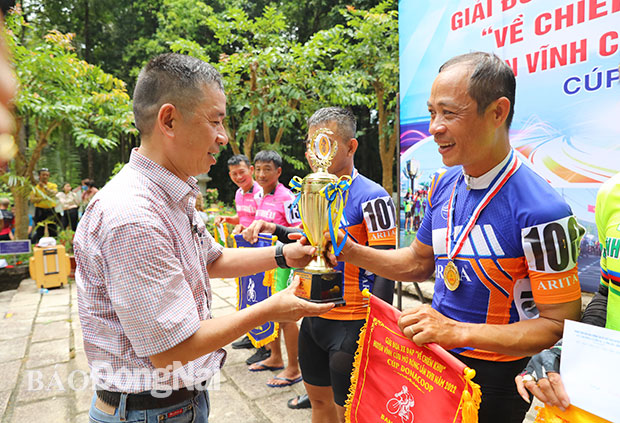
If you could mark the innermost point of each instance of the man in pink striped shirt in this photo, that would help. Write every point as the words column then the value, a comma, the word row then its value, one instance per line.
column 240, row 171
column 144, row 259
column 276, row 205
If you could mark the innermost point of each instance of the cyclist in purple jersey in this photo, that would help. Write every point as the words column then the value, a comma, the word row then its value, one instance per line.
column 485, row 241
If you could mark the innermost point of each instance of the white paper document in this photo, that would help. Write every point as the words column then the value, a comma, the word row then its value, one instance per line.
column 590, row 368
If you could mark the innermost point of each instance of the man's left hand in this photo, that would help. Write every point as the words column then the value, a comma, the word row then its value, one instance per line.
column 298, row 254
column 424, row 325
column 542, row 378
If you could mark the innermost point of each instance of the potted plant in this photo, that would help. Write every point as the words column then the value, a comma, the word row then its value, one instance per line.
column 65, row 237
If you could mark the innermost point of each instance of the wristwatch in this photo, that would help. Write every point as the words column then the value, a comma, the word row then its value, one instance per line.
column 280, row 260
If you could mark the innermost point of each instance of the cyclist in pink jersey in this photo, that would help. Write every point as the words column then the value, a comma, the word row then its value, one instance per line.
column 240, row 171
column 276, row 205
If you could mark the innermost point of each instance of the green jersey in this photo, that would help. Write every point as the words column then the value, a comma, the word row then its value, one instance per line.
column 608, row 224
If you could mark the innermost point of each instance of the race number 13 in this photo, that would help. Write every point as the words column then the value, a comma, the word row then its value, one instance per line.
column 552, row 247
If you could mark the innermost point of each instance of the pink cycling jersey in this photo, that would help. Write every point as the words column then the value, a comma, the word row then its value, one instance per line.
column 245, row 203
column 277, row 207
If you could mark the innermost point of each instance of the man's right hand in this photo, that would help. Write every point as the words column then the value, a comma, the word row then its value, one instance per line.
column 250, row 234
column 286, row 307
column 219, row 220
column 332, row 260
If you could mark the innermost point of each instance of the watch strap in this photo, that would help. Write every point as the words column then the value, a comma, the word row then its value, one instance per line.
column 280, row 260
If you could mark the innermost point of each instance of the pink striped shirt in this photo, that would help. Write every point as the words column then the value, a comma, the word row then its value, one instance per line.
column 245, row 203
column 277, row 207
column 142, row 253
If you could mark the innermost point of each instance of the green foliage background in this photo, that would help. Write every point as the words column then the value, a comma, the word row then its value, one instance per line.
column 281, row 60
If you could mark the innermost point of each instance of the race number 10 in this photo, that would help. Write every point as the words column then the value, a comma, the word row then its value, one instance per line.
column 552, row 247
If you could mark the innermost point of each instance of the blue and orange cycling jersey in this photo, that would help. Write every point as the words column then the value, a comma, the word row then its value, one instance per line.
column 522, row 250
column 370, row 219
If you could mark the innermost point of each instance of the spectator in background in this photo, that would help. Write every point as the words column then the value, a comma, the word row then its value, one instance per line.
column 70, row 202
column 88, row 191
column 240, row 171
column 275, row 205
column 8, row 220
column 43, row 197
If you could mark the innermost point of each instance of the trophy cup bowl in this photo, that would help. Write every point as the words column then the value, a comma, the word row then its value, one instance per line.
column 319, row 282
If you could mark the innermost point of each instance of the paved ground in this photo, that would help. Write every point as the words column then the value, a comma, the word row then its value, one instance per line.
column 42, row 358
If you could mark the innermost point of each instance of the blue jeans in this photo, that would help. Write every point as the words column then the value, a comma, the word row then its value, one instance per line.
column 195, row 410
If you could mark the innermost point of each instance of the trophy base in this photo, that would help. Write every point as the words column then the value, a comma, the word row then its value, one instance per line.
column 320, row 286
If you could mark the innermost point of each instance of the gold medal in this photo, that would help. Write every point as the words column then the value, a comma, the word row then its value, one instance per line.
column 451, row 276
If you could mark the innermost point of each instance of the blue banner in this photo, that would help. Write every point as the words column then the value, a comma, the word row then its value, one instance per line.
column 253, row 289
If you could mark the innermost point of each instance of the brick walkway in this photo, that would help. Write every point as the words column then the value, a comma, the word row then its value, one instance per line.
column 42, row 358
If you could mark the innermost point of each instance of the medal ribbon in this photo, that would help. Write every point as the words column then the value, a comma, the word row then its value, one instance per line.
column 453, row 250
column 333, row 191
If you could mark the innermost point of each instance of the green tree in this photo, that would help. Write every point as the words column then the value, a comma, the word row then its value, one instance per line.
column 369, row 56
column 58, row 90
column 272, row 82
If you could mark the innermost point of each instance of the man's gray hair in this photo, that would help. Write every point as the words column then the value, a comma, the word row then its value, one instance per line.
column 343, row 118
column 171, row 78
column 490, row 79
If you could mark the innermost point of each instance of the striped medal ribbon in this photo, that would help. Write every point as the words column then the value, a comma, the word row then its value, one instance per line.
column 451, row 276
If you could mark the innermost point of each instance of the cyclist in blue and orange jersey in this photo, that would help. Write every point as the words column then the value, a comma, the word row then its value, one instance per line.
column 327, row 345
column 502, row 243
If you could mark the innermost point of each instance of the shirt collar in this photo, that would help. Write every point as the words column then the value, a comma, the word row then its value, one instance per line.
column 168, row 181
column 274, row 190
column 254, row 187
column 483, row 181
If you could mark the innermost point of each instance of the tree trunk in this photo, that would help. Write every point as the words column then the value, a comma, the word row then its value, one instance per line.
column 232, row 140
column 87, row 41
column 386, row 144
column 91, row 163
column 266, row 133
column 20, row 210
column 293, row 105
column 25, row 168
column 279, row 135
column 249, row 141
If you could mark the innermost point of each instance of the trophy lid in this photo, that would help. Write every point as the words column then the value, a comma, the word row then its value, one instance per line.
column 322, row 149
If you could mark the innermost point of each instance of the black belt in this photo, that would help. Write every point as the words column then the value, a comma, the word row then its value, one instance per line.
column 146, row 401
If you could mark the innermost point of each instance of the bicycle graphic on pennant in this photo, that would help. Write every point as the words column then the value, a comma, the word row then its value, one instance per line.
column 401, row 405
column 251, row 294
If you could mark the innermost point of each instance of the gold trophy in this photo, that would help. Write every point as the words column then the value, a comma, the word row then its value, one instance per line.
column 320, row 283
